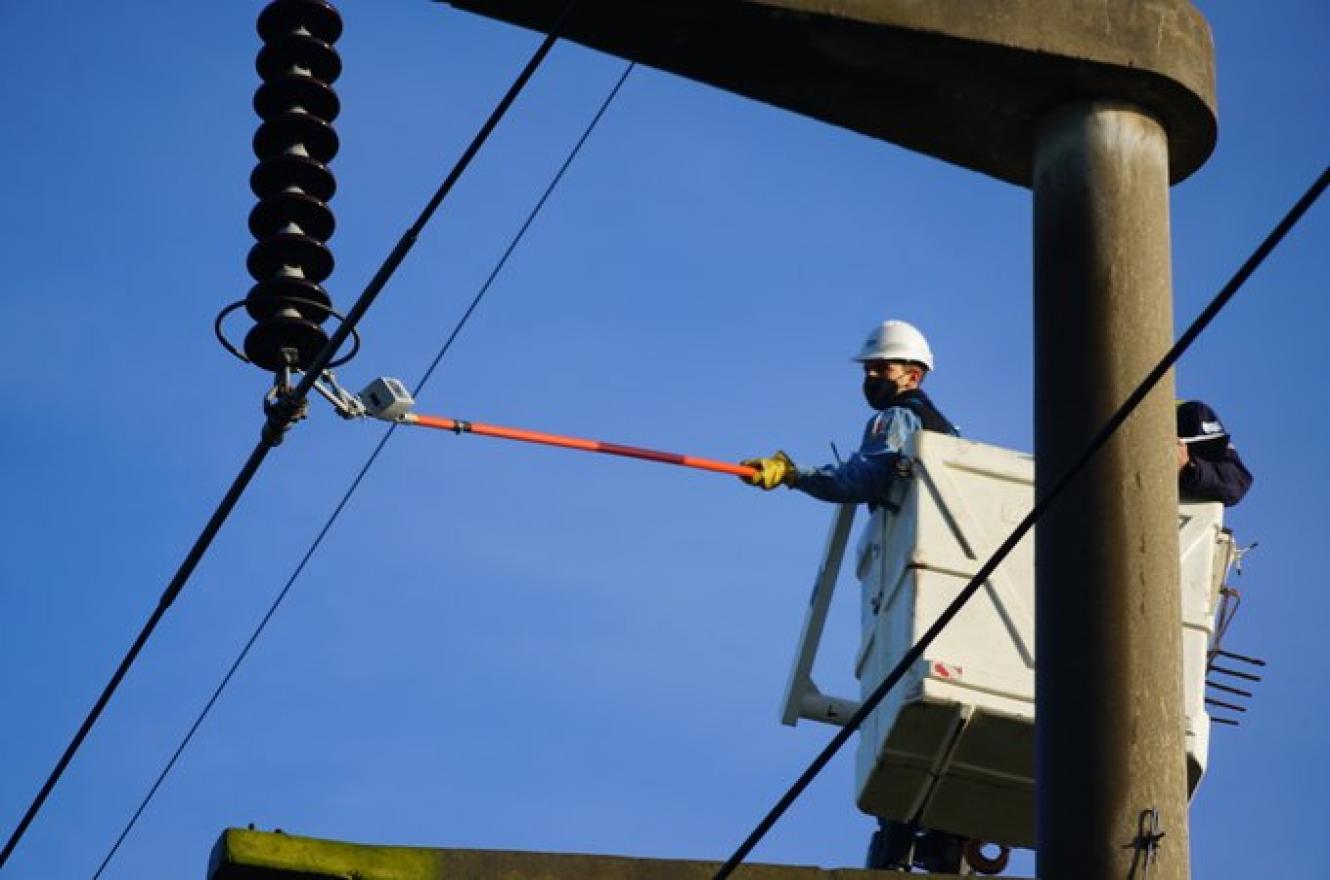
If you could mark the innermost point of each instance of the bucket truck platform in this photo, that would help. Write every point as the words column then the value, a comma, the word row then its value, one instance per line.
column 952, row 746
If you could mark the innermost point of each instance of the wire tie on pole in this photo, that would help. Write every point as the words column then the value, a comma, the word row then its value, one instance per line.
column 1147, row 840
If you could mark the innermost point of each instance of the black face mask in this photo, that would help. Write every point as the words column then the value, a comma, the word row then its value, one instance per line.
column 880, row 393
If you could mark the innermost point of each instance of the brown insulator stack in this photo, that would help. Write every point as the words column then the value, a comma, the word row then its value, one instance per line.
column 292, row 222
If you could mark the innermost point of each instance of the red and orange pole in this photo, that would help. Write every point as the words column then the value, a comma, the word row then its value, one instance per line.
column 458, row 426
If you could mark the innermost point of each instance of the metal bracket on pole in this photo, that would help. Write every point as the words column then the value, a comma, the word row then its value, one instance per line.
column 802, row 697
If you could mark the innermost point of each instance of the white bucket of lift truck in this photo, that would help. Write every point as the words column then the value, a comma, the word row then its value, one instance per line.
column 953, row 743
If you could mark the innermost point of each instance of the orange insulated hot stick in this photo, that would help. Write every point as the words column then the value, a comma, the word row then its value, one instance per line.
column 458, row 426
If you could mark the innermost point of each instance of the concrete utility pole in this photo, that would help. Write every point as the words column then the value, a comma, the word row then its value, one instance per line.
column 1109, row 725
column 1097, row 107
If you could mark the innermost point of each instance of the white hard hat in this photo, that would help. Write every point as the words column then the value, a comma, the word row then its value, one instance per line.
column 896, row 341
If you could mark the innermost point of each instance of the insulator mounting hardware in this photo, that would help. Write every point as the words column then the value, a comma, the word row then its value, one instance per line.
column 280, row 406
column 292, row 222
column 385, row 398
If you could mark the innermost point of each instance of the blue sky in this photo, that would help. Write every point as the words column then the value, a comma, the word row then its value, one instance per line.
column 510, row 647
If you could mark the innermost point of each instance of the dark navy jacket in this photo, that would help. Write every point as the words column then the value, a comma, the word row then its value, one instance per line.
column 1215, row 472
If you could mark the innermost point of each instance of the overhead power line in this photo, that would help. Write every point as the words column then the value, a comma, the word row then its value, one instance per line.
column 1114, row 422
column 279, row 420
column 360, row 476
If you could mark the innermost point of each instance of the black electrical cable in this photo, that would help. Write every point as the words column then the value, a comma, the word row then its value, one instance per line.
column 1110, row 427
column 279, row 419
column 355, row 483
column 172, row 590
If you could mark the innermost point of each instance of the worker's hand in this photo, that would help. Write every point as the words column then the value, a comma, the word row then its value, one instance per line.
column 1184, row 455
column 776, row 470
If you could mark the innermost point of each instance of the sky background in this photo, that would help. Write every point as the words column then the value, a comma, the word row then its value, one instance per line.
column 503, row 646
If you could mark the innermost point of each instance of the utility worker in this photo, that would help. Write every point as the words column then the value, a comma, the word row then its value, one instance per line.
column 895, row 359
column 1209, row 468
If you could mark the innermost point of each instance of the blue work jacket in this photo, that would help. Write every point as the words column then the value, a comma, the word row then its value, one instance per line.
column 867, row 475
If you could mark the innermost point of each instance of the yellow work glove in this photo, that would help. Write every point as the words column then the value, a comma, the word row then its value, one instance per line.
column 777, row 470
